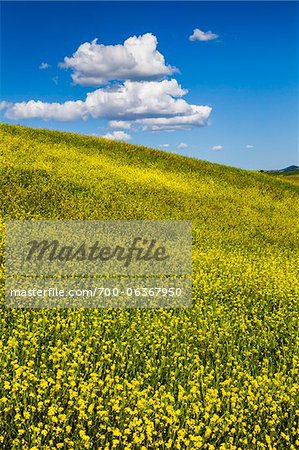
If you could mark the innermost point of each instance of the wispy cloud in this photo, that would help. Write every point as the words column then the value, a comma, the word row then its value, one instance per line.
column 164, row 145
column 120, row 124
column 203, row 36
column 249, row 146
column 217, row 147
column 5, row 105
column 44, row 66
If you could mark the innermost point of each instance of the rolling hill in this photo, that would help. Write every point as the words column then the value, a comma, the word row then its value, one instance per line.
column 289, row 174
column 220, row 375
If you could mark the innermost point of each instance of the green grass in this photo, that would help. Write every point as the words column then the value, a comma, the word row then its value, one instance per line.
column 221, row 375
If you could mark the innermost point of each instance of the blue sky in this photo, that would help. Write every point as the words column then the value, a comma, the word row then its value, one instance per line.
column 248, row 75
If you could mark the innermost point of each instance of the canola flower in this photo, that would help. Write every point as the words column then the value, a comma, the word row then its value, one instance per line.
column 222, row 375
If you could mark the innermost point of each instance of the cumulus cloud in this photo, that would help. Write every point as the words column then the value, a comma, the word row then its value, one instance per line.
column 44, row 66
column 137, row 58
column 203, row 36
column 139, row 97
column 217, row 147
column 182, row 145
column 154, row 105
column 67, row 111
column 249, row 146
column 117, row 136
column 195, row 116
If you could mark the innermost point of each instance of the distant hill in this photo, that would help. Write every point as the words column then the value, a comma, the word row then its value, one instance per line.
column 292, row 168
column 289, row 174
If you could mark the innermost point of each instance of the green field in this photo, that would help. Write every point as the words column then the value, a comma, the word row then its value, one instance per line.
column 221, row 375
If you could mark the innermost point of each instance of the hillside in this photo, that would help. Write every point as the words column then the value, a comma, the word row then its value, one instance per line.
column 221, row 375
column 289, row 174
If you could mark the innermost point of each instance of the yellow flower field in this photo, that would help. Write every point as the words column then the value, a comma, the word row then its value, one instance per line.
column 222, row 375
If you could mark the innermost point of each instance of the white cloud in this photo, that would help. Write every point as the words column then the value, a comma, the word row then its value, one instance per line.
column 44, row 66
column 66, row 111
column 194, row 116
column 182, row 145
column 249, row 146
column 203, row 36
column 137, row 58
column 117, row 136
column 217, row 147
column 5, row 105
column 164, row 145
column 141, row 99
column 120, row 124
column 154, row 105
